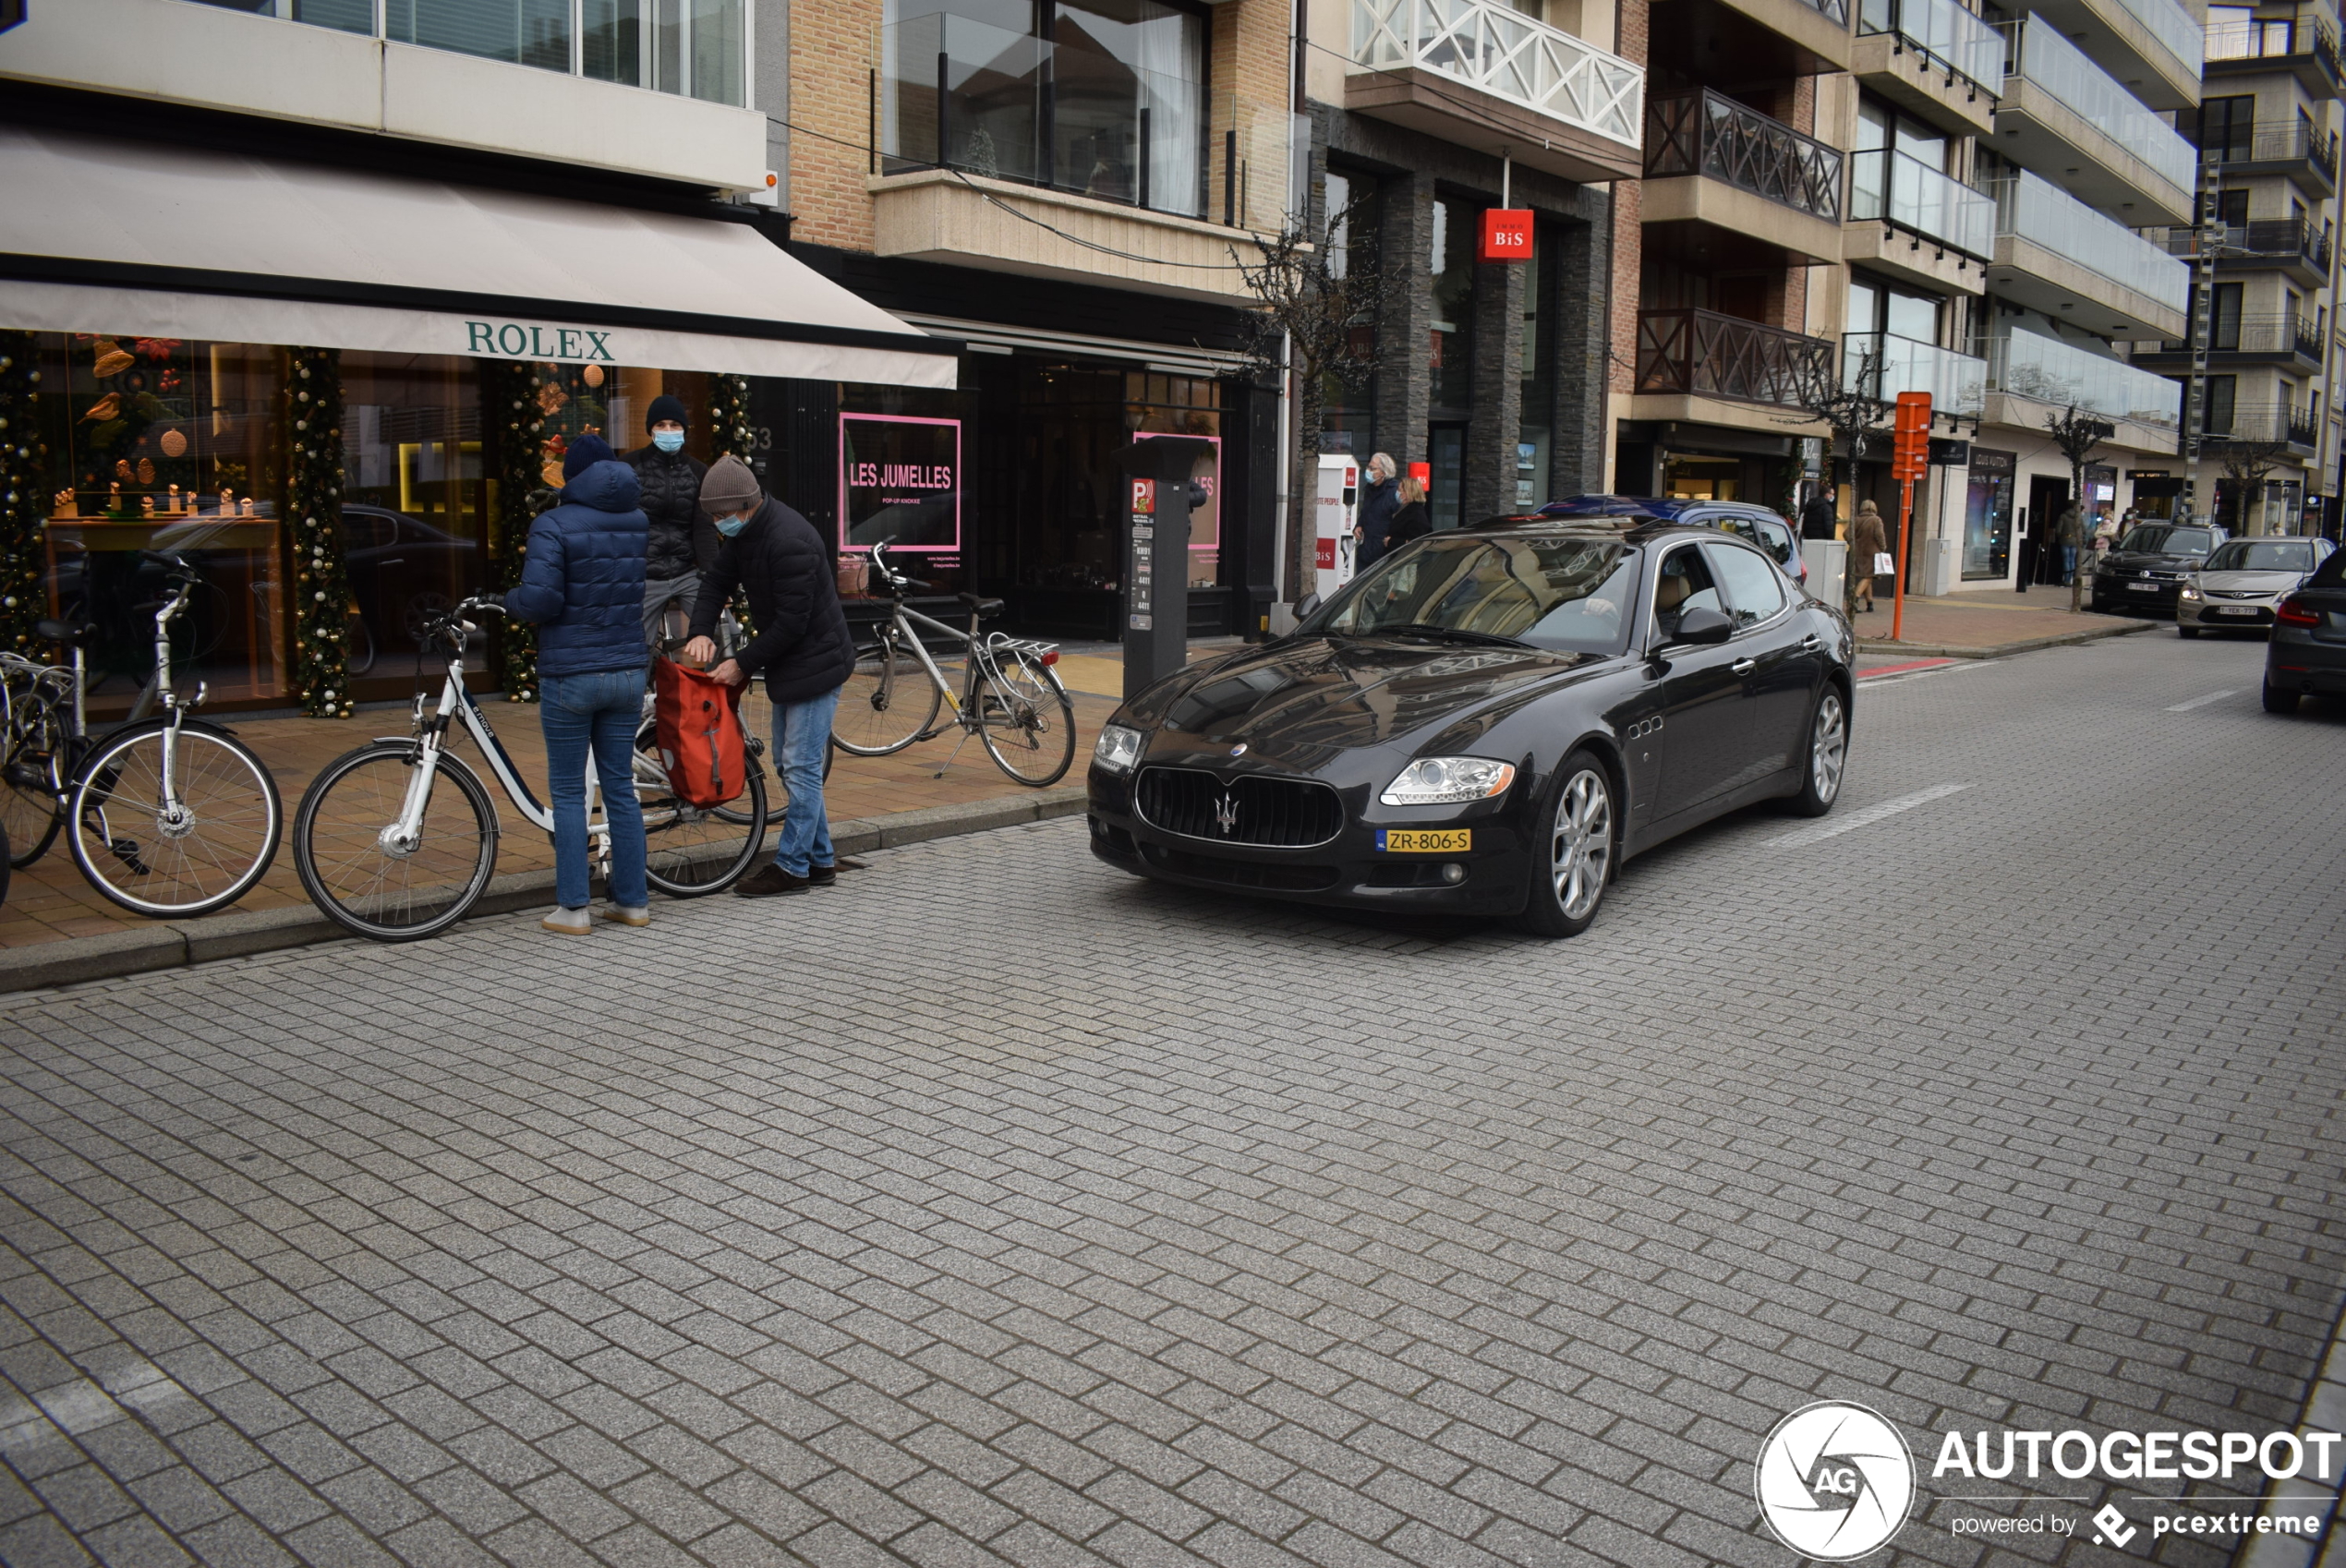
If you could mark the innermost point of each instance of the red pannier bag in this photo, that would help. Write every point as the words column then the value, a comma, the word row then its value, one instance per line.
column 698, row 723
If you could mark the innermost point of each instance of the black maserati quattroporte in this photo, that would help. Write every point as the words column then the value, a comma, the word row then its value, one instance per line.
column 1487, row 721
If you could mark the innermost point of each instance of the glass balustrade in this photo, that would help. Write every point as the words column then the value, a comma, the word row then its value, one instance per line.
column 1947, row 35
column 1907, row 191
column 2174, row 27
column 1883, row 365
column 2042, row 55
column 2045, row 216
column 2059, row 374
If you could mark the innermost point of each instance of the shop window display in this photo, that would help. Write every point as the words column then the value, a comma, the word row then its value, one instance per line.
column 1073, row 420
column 414, row 498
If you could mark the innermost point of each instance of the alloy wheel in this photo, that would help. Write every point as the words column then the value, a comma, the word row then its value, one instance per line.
column 1583, row 849
column 1828, row 748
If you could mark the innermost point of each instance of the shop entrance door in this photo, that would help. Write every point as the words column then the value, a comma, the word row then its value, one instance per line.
column 1445, row 456
column 2048, row 498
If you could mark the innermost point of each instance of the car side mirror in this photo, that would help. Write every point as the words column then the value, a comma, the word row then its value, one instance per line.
column 1306, row 606
column 1702, row 627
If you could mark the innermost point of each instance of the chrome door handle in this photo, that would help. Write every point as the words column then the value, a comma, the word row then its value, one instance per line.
column 1811, row 643
column 1744, row 666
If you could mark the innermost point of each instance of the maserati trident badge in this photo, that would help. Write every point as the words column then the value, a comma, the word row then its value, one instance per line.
column 1225, row 813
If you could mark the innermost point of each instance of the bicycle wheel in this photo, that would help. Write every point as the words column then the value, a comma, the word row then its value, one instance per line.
column 693, row 850
column 887, row 703
column 201, row 856
column 29, row 773
column 1025, row 720
column 358, row 873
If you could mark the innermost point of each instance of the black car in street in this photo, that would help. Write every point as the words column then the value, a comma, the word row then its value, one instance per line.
column 1486, row 722
column 2307, row 654
column 2144, row 571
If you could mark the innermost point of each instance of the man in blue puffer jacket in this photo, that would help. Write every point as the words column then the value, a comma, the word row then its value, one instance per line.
column 583, row 583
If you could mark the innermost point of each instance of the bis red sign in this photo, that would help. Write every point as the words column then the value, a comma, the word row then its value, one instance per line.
column 1506, row 235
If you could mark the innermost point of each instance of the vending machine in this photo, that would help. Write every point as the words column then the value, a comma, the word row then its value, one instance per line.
column 1337, row 510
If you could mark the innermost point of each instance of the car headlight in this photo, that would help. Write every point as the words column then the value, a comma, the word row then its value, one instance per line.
column 1117, row 749
column 1438, row 781
column 2190, row 591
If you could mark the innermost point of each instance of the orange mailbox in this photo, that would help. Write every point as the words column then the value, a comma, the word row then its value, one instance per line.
column 1506, row 235
column 1910, row 445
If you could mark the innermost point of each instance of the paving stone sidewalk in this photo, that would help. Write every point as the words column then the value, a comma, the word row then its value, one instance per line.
column 994, row 1208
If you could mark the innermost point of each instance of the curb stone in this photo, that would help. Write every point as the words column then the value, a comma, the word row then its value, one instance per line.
column 2001, row 650
column 2324, row 1411
column 240, row 932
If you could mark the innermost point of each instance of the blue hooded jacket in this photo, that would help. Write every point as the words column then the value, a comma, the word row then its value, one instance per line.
column 582, row 579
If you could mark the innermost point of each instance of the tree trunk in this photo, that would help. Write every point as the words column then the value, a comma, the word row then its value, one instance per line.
column 1303, row 489
column 2085, row 540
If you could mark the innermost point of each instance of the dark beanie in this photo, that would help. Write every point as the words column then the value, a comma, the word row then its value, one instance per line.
column 664, row 408
column 727, row 487
column 583, row 452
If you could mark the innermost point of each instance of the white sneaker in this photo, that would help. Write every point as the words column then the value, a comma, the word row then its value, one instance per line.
column 569, row 922
column 619, row 914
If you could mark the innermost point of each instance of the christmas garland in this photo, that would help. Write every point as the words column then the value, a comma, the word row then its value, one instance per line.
column 322, row 599
column 731, row 434
column 510, row 396
column 22, row 513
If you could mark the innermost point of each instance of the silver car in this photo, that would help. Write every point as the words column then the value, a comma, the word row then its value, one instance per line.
column 2240, row 582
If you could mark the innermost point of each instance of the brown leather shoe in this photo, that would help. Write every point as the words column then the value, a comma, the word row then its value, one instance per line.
column 767, row 881
column 824, row 876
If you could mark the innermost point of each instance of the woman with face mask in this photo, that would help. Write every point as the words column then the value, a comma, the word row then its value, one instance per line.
column 683, row 543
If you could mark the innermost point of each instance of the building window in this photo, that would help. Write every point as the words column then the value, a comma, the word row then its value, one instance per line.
column 2228, row 127
column 1348, row 420
column 1451, row 262
column 2223, row 326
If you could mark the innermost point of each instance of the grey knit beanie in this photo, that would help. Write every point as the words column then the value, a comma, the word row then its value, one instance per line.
column 728, row 487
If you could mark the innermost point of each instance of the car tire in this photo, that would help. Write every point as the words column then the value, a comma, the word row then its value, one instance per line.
column 1576, row 849
column 1820, row 776
column 2276, row 700
column 2186, row 633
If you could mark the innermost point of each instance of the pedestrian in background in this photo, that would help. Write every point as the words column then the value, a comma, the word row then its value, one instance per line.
column 801, row 646
column 1379, row 501
column 582, row 582
column 1867, row 539
column 1410, row 519
column 683, row 542
column 2069, row 532
column 1820, row 518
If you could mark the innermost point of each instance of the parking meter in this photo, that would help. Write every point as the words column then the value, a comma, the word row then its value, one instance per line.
column 1157, row 555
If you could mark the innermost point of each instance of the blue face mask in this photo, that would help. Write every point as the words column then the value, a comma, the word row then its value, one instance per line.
column 728, row 527
column 668, row 441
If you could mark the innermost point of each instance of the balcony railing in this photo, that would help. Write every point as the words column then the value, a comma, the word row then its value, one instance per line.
column 1882, row 365
column 2059, row 374
column 1907, row 191
column 2275, row 241
column 1833, row 11
column 2302, row 144
column 1498, row 49
column 2258, row 40
column 2289, row 422
column 2169, row 23
column 1704, row 133
column 2284, row 332
column 2045, row 216
column 1943, row 33
column 2039, row 54
column 1704, row 354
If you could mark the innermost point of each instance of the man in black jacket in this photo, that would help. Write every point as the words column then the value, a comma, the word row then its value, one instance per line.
column 683, row 542
column 802, row 646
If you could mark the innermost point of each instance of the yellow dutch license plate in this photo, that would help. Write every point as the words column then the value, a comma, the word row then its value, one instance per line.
column 1426, row 841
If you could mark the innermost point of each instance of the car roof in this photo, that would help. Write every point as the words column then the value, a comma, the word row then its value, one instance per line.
column 1629, row 528
column 1666, row 507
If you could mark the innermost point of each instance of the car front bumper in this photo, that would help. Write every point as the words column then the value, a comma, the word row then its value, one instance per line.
column 2216, row 614
column 2123, row 593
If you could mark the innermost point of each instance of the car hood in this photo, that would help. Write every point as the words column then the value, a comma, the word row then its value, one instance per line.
column 2134, row 557
column 1297, row 702
column 2248, row 581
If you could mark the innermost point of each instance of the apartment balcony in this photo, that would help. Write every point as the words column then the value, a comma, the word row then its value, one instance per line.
column 1909, row 219
column 2062, row 111
column 2030, row 377
column 2302, row 153
column 2282, row 424
column 1883, row 365
column 1484, row 76
column 2283, row 338
column 2057, row 255
column 1711, row 159
column 2151, row 46
column 2305, row 48
column 1933, row 58
column 1815, row 31
column 2291, row 245
column 1701, row 366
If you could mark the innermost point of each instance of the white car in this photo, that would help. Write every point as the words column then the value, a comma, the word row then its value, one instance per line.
column 2241, row 581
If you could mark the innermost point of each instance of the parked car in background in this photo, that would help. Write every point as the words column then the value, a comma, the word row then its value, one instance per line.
column 2307, row 655
column 2144, row 571
column 1767, row 529
column 2242, row 580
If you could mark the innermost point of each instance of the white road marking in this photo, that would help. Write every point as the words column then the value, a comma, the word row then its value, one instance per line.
column 1866, row 819
column 2202, row 702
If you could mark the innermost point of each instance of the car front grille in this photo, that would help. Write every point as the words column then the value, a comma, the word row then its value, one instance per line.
column 1285, row 814
column 1271, row 876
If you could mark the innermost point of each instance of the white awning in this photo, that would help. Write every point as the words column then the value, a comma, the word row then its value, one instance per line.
column 105, row 235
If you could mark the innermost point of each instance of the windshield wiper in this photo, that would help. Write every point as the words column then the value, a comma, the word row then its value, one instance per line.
column 1447, row 633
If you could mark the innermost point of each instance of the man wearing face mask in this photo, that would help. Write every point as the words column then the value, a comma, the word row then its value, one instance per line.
column 791, row 576
column 683, row 543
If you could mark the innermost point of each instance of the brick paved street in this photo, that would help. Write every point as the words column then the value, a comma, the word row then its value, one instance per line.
column 995, row 1208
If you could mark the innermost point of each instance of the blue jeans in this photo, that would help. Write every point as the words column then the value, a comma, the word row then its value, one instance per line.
column 601, row 710
column 802, row 739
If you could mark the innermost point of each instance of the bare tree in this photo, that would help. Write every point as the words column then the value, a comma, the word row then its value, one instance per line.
column 2076, row 434
column 1320, row 302
column 1851, row 408
column 2246, row 464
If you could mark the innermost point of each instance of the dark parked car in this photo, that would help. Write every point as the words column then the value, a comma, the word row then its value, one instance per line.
column 1767, row 529
column 1485, row 723
column 2307, row 654
column 2146, row 569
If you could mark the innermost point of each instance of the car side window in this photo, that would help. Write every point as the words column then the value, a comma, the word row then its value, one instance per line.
column 1754, row 590
column 1685, row 583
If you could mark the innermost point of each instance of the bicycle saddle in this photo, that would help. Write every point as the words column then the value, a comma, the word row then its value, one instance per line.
column 982, row 605
column 63, row 630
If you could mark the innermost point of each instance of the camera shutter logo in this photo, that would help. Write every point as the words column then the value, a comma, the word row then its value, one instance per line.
column 1835, row 1481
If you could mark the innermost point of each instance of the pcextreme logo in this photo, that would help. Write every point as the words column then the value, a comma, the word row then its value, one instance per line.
column 1835, row 1481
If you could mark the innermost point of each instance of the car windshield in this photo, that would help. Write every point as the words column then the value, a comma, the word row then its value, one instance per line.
column 1569, row 594
column 2264, row 555
column 2167, row 540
